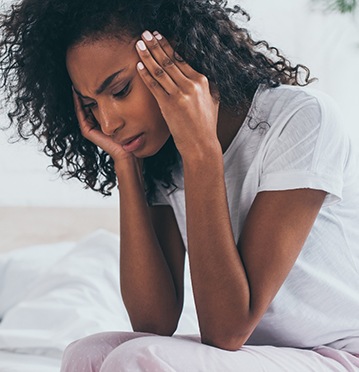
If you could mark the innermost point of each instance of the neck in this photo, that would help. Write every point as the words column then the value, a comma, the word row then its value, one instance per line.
column 228, row 125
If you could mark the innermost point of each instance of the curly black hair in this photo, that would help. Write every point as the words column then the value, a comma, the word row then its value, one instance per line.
column 35, row 35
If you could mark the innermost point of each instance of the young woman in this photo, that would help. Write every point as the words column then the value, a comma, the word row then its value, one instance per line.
column 217, row 150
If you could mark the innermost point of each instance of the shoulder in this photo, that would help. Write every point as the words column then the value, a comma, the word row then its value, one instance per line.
column 299, row 109
column 306, row 145
column 290, row 93
column 292, row 99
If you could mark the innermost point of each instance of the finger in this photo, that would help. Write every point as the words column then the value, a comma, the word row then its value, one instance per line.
column 152, row 84
column 159, row 76
column 183, row 75
column 83, row 114
column 78, row 108
column 163, row 59
column 88, row 126
column 85, row 119
column 180, row 63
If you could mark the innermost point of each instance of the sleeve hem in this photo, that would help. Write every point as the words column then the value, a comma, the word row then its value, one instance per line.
column 304, row 180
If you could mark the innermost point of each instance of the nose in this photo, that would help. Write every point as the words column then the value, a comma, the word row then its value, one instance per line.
column 110, row 119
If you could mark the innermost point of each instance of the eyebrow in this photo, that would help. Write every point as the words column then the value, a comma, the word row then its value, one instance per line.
column 104, row 85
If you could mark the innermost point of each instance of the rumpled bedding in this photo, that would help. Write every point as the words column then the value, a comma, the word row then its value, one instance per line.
column 51, row 295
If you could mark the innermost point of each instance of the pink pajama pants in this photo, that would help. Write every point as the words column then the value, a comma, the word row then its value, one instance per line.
column 135, row 352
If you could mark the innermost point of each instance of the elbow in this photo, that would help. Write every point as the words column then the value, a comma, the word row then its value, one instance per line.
column 229, row 336
column 228, row 342
column 225, row 344
column 156, row 328
column 160, row 323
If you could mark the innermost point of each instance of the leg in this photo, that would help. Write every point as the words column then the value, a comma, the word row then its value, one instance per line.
column 88, row 354
column 180, row 353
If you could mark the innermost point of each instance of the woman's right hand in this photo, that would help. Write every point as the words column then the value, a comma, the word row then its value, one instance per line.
column 91, row 130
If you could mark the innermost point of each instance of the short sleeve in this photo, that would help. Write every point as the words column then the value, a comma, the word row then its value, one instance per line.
column 308, row 150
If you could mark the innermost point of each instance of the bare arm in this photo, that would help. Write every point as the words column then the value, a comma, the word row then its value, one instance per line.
column 233, row 286
column 151, row 278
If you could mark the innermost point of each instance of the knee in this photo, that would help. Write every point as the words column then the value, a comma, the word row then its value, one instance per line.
column 86, row 354
column 146, row 354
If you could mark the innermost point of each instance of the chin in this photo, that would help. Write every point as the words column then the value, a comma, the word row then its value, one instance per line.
column 147, row 152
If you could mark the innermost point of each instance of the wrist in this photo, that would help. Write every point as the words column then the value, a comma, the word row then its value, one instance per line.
column 210, row 153
column 124, row 164
column 129, row 168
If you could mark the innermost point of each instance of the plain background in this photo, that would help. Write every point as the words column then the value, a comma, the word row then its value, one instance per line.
column 326, row 42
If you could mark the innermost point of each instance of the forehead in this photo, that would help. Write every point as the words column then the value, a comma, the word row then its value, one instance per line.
column 92, row 61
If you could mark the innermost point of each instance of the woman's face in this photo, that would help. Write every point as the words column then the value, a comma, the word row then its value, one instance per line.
column 104, row 75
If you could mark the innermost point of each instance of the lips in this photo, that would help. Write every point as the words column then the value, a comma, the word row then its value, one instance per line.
column 133, row 144
column 129, row 140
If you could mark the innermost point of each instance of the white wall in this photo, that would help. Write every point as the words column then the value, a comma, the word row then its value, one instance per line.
column 327, row 43
column 26, row 181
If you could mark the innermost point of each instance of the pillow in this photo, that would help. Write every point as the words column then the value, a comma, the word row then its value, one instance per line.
column 20, row 269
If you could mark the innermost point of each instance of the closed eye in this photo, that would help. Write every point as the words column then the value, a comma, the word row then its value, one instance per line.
column 89, row 105
column 123, row 92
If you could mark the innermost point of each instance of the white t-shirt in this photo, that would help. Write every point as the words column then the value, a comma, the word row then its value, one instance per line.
column 293, row 138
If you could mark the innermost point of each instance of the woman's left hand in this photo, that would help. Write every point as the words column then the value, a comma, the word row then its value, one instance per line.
column 183, row 95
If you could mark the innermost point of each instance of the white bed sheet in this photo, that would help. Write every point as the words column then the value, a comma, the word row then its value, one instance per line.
column 51, row 295
column 16, row 362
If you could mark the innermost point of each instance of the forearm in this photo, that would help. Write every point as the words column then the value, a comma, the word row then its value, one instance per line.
column 220, row 286
column 146, row 284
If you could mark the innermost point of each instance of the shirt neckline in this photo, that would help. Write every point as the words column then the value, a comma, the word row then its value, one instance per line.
column 240, row 137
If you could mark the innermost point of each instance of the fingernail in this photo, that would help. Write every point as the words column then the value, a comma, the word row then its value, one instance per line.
column 141, row 45
column 140, row 66
column 147, row 35
column 158, row 36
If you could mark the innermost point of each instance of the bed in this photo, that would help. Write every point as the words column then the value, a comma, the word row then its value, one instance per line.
column 59, row 282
